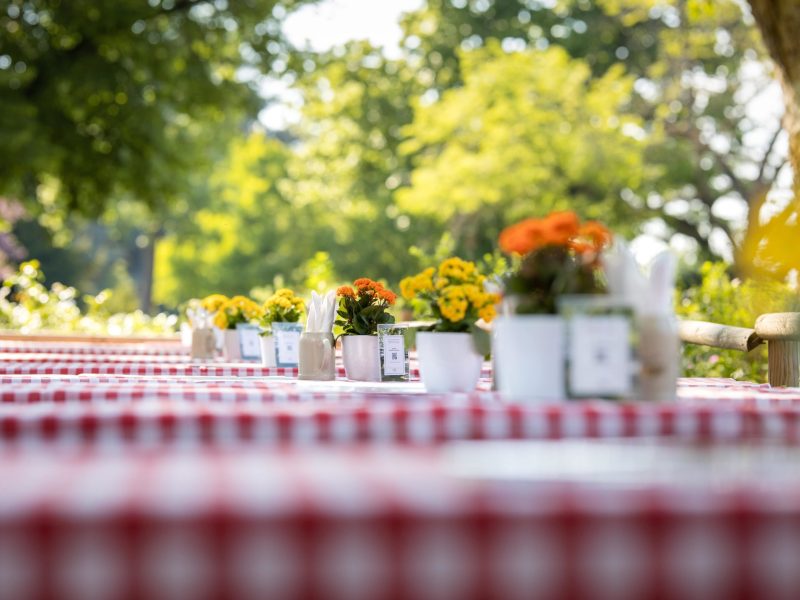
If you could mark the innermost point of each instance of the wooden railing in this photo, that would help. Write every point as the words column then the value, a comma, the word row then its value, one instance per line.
column 780, row 331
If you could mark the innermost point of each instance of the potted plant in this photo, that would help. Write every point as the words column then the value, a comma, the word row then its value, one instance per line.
column 454, row 296
column 552, row 257
column 362, row 307
column 230, row 313
column 282, row 307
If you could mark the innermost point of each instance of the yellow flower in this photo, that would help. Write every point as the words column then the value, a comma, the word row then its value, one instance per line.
column 213, row 302
column 419, row 283
column 473, row 293
column 282, row 306
column 454, row 290
column 487, row 313
column 453, row 313
column 407, row 288
column 453, row 303
column 221, row 320
column 237, row 310
column 457, row 269
column 424, row 281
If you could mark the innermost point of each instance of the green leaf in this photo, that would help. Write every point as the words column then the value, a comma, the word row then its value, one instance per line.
column 482, row 341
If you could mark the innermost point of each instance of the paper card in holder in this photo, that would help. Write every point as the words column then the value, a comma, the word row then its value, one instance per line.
column 601, row 346
column 249, row 341
column 287, row 343
column 393, row 352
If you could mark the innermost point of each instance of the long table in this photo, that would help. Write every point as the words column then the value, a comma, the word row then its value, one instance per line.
column 217, row 480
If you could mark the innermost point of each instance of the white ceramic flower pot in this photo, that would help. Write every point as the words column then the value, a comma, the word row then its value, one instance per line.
column 230, row 345
column 268, row 357
column 361, row 357
column 529, row 354
column 448, row 362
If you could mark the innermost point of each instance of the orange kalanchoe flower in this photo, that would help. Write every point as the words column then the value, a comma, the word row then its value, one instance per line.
column 363, row 306
column 596, row 233
column 364, row 283
column 557, row 229
column 561, row 226
column 581, row 248
column 591, row 239
column 523, row 237
column 389, row 297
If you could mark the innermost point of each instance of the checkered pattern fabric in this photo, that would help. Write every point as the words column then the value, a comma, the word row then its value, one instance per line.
column 369, row 524
column 167, row 348
column 141, row 475
column 160, row 366
column 146, row 412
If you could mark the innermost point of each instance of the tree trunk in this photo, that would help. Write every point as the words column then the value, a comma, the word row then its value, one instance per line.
column 779, row 22
column 142, row 265
column 146, row 283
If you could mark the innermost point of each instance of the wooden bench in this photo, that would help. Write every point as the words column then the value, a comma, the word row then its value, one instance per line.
column 780, row 331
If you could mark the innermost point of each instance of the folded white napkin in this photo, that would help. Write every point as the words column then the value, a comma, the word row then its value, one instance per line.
column 321, row 312
column 649, row 295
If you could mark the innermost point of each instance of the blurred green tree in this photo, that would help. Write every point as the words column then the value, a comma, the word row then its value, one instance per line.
column 527, row 132
column 236, row 230
column 347, row 165
column 108, row 97
column 695, row 63
column 111, row 106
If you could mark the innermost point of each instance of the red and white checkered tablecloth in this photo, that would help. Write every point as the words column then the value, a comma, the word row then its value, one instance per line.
column 140, row 411
column 173, row 368
column 139, row 474
column 392, row 523
column 215, row 369
column 167, row 348
column 187, row 383
column 113, row 358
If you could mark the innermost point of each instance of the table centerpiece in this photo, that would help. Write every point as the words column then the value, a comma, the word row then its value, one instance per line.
column 232, row 312
column 284, row 306
column 552, row 257
column 362, row 307
column 454, row 296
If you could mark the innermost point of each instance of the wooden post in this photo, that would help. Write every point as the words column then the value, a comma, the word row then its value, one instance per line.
column 784, row 363
column 782, row 332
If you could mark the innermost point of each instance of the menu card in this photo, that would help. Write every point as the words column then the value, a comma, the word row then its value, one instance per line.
column 393, row 351
column 249, row 341
column 287, row 343
column 601, row 347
